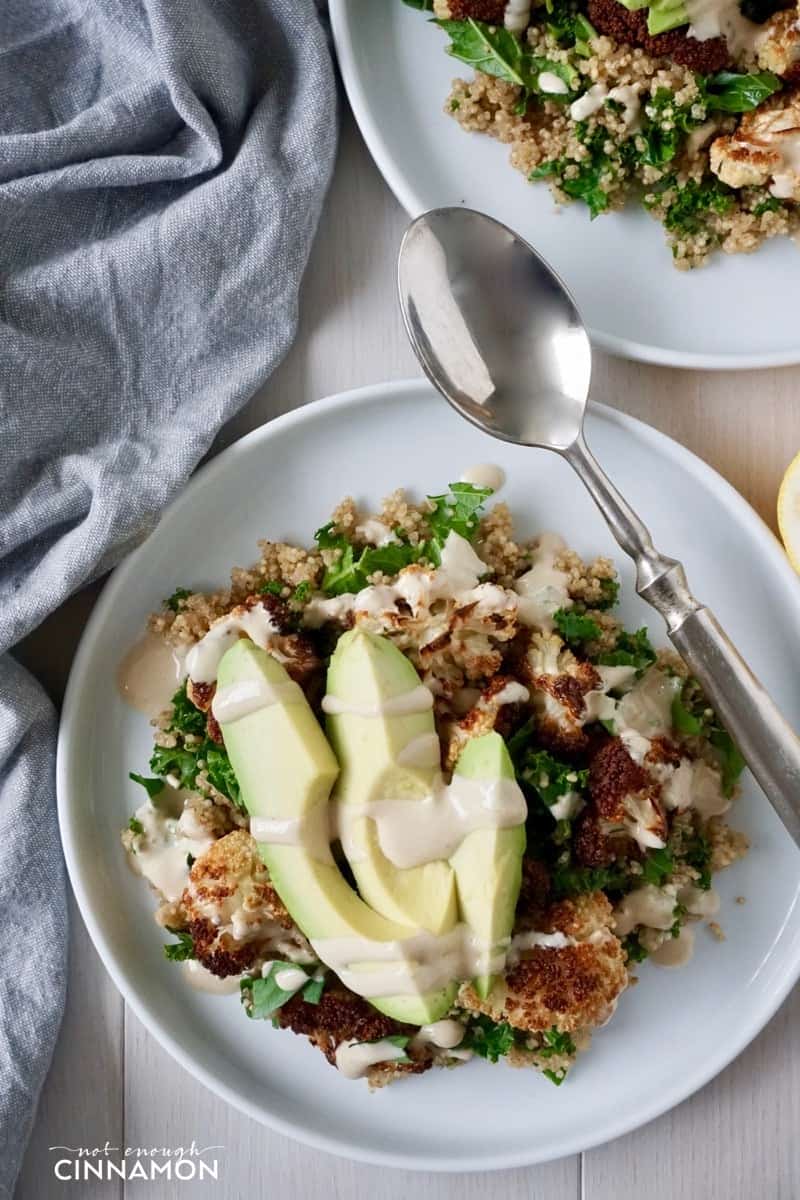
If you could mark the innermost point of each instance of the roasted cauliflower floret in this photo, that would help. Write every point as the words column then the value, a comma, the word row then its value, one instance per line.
column 559, row 684
column 341, row 1016
column 764, row 149
column 571, row 986
column 233, row 913
column 494, row 710
column 779, row 47
column 625, row 798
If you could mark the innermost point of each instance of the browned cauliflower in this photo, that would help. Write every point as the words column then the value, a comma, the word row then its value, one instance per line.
column 233, row 913
column 763, row 149
column 573, row 984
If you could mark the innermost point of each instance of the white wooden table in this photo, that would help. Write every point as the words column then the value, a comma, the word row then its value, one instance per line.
column 736, row 1139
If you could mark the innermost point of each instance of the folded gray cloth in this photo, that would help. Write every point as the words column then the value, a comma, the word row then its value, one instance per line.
column 162, row 168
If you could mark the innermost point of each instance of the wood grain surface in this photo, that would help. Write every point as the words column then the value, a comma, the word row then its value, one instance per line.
column 738, row 1138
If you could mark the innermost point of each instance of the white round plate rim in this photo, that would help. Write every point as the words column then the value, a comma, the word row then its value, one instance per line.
column 406, row 194
column 127, row 983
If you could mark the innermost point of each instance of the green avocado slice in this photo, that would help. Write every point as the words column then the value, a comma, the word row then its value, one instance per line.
column 368, row 675
column 488, row 863
column 286, row 769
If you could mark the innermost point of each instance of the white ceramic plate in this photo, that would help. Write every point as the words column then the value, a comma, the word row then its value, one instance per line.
column 281, row 482
column 737, row 312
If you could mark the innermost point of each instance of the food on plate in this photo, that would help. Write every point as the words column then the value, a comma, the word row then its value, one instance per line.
column 690, row 107
column 419, row 796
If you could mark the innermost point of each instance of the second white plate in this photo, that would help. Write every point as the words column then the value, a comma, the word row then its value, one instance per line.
column 737, row 312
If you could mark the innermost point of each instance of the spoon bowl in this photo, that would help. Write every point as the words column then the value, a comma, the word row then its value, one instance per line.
column 494, row 328
column 499, row 335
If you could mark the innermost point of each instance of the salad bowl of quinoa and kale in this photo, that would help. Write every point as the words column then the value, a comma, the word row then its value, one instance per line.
column 582, row 123
column 416, row 789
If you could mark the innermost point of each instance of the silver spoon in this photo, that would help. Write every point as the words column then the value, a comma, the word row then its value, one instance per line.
column 499, row 335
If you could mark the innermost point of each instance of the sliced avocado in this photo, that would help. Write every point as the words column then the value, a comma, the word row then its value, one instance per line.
column 665, row 15
column 285, row 768
column 366, row 672
column 488, row 863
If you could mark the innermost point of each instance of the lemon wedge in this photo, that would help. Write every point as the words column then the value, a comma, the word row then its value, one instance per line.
column 789, row 511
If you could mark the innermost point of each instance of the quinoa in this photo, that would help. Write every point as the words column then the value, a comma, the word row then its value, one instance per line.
column 658, row 153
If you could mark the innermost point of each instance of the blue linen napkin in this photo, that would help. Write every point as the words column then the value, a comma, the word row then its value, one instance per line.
column 162, row 168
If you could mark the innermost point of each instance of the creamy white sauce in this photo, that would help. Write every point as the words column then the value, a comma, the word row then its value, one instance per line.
column 417, row 700
column 567, row 806
column 456, row 579
column 291, row 979
column 460, row 564
column 517, row 15
column 532, row 939
column 376, row 533
column 202, row 661
column 485, row 475
column 445, row 1034
column 239, row 700
column 149, row 675
column 589, row 103
column 646, row 905
column 543, row 588
column 414, row 832
column 551, row 84
column 161, row 851
column 675, row 952
column 699, row 902
column 198, row 977
column 628, row 97
column 312, row 831
column 647, row 708
column 354, row 1059
column 422, row 962
column 422, row 751
column 722, row 18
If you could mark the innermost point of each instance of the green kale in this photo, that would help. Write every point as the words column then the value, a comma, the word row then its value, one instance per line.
column 181, row 950
column 190, row 861
column 665, row 126
column 263, row 996
column 351, row 571
column 691, row 716
column 220, row 772
column 730, row 91
column 488, row 1039
column 175, row 600
column 497, row 51
column 632, row 650
column 768, row 204
column 136, row 826
column 633, row 949
column 697, row 854
column 457, row 511
column 153, row 787
column 273, row 587
column 575, row 627
column 569, row 880
column 302, row 592
column 547, row 777
column 657, row 867
column 556, row 1077
column 555, row 1043
column 569, row 27
column 610, row 590
column 184, row 762
column 185, row 717
column 693, row 204
column 588, row 178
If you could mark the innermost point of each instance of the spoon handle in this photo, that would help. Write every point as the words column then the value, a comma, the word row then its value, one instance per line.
column 770, row 747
